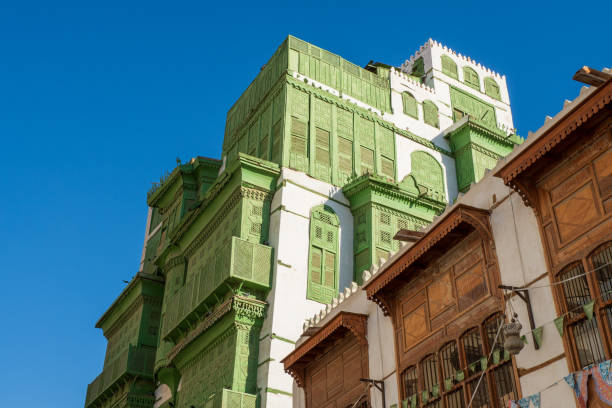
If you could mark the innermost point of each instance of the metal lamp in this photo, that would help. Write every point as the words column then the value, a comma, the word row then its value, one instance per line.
column 512, row 336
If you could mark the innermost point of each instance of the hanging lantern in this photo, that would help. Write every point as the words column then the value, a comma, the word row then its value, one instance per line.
column 512, row 336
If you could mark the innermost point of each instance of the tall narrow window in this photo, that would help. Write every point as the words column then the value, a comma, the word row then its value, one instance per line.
column 430, row 397
column 492, row 89
column 410, row 382
column 409, row 104
column 322, row 155
column 430, row 114
column 345, row 160
column 323, row 255
column 298, row 157
column 449, row 67
column 418, row 68
column 602, row 263
column 587, row 345
column 470, row 77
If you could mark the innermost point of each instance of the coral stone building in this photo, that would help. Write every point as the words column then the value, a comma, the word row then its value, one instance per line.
column 531, row 241
column 323, row 162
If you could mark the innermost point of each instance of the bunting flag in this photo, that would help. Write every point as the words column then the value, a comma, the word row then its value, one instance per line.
column 523, row 402
column 472, row 366
column 460, row 375
column 524, row 338
column 506, row 355
column 603, row 381
column 413, row 401
column 435, row 391
column 537, row 335
column 512, row 404
column 448, row 383
column 535, row 400
column 559, row 324
column 484, row 361
column 496, row 356
column 588, row 309
column 425, row 396
column 578, row 383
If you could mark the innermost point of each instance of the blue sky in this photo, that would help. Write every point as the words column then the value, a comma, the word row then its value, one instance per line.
column 97, row 102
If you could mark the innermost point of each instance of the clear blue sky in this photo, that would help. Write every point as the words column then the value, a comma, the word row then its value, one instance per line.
column 96, row 102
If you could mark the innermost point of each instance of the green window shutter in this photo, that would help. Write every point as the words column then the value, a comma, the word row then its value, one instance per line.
column 427, row 172
column 492, row 89
column 298, row 153
column 470, row 77
column 410, row 104
column 430, row 113
column 449, row 67
column 323, row 258
column 367, row 160
column 387, row 167
column 277, row 142
column 322, row 155
column 345, row 160
column 263, row 148
column 418, row 68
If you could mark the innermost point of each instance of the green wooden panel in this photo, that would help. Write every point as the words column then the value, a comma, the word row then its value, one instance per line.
column 298, row 153
column 492, row 88
column 464, row 103
column 323, row 255
column 428, row 173
column 345, row 160
column 409, row 104
column 470, row 78
column 430, row 114
column 449, row 67
column 322, row 155
column 418, row 68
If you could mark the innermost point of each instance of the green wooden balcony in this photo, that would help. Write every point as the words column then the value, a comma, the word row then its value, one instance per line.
column 134, row 361
column 243, row 264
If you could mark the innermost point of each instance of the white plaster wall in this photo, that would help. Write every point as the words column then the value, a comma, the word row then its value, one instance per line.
column 404, row 147
column 288, row 306
column 558, row 396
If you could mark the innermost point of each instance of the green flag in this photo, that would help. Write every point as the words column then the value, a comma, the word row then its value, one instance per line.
column 460, row 375
column 425, row 396
column 559, row 325
column 537, row 335
column 484, row 361
column 472, row 366
column 413, row 401
column 506, row 355
column 524, row 338
column 435, row 391
column 405, row 402
column 588, row 309
column 496, row 356
column 448, row 383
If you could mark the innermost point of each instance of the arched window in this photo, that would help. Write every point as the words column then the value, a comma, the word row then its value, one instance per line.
column 410, row 105
column 471, row 343
column 410, row 382
column 428, row 173
column 323, row 255
column 430, row 114
column 449, row 67
column 586, row 340
column 430, row 397
column 470, row 77
column 503, row 376
column 492, row 89
column 449, row 355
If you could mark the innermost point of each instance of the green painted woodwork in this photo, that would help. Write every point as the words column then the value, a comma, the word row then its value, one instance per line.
column 233, row 399
column 428, row 173
column 465, row 104
column 131, row 325
column 430, row 114
column 449, row 67
column 380, row 208
column 470, row 78
column 418, row 68
column 219, row 363
column 323, row 255
column 477, row 147
column 239, row 263
column 409, row 104
column 492, row 88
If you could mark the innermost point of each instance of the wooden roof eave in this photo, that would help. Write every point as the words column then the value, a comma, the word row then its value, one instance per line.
column 459, row 214
column 533, row 152
column 303, row 354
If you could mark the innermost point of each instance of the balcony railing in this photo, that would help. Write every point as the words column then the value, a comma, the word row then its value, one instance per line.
column 234, row 399
column 133, row 361
column 243, row 261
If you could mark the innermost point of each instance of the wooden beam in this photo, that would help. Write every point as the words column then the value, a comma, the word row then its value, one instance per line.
column 591, row 76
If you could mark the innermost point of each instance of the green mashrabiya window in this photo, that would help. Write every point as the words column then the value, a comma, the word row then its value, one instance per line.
column 323, row 255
